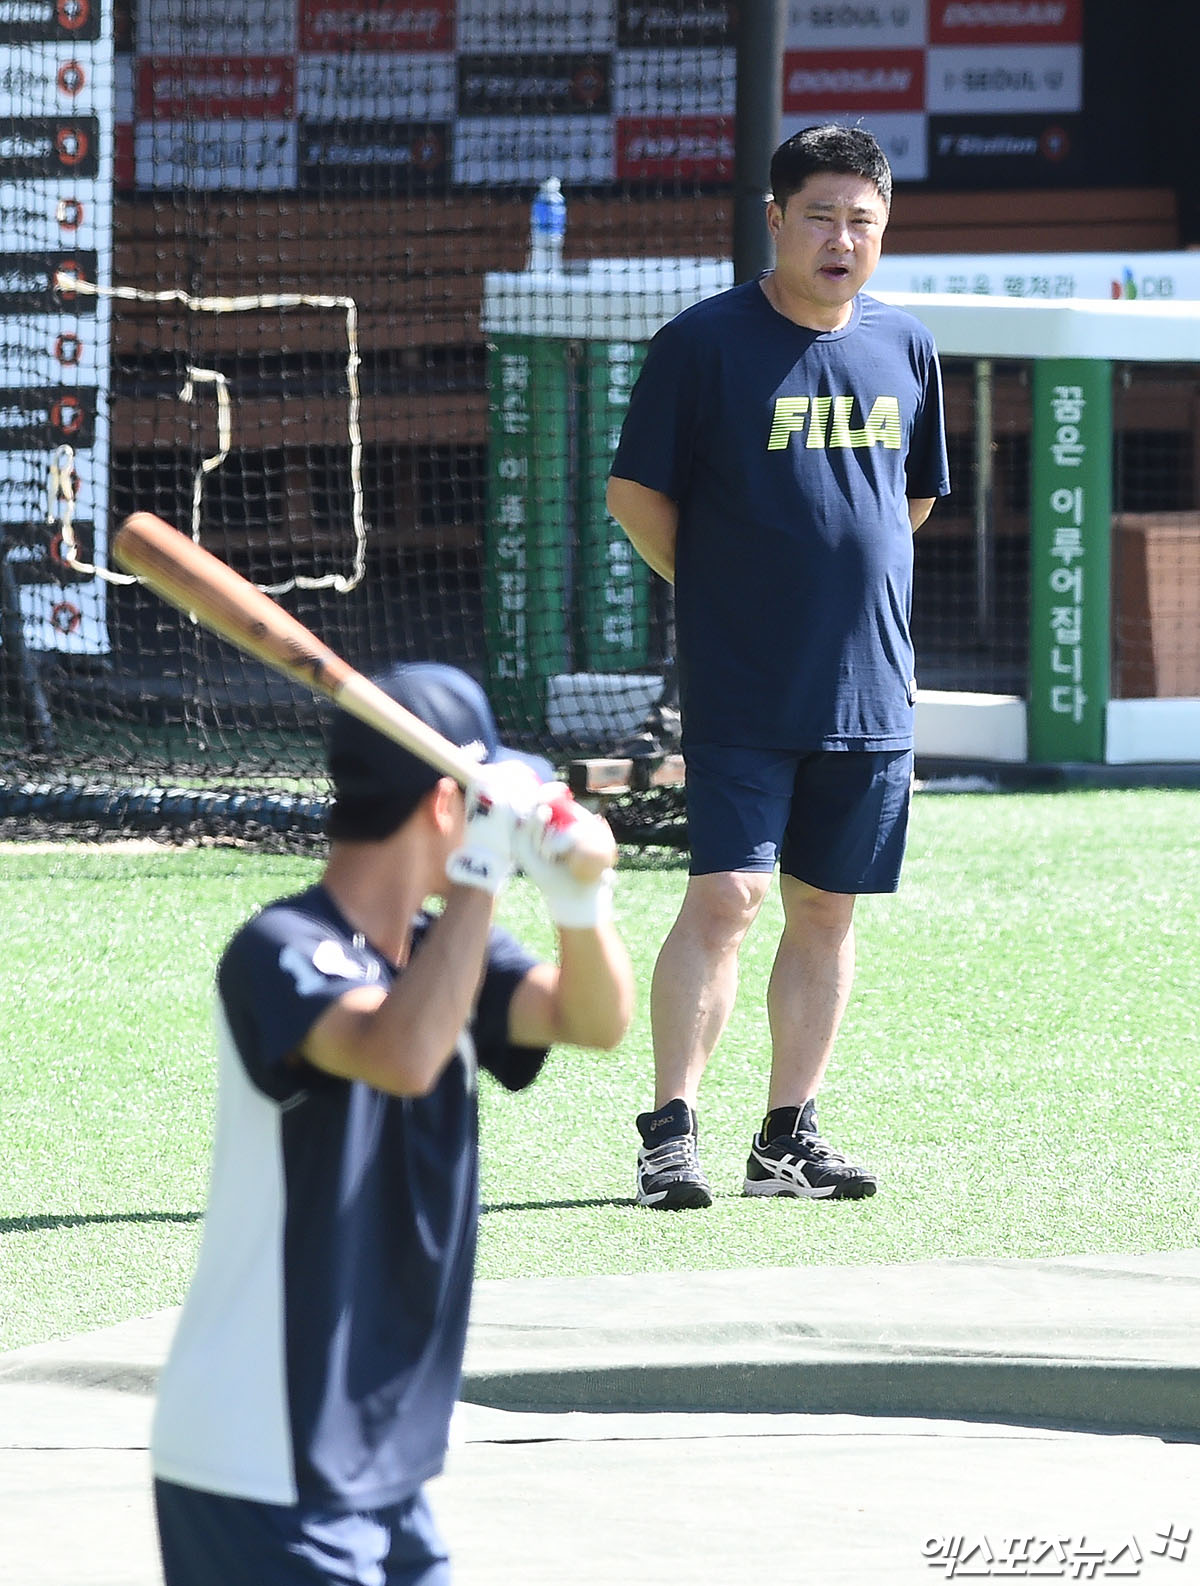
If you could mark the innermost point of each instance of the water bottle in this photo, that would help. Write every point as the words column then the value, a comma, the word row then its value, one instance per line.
column 547, row 227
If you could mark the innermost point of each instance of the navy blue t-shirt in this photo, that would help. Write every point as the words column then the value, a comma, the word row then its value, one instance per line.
column 319, row 1353
column 791, row 454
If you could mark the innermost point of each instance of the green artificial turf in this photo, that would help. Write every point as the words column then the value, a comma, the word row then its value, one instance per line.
column 1018, row 1062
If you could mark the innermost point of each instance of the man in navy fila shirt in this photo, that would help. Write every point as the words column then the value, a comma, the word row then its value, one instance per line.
column 782, row 444
column 309, row 1387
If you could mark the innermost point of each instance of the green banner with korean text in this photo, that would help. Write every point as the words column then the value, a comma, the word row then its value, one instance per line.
column 526, row 574
column 612, row 583
column 1070, row 559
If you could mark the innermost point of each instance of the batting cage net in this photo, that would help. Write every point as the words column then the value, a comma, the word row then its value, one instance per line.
column 354, row 293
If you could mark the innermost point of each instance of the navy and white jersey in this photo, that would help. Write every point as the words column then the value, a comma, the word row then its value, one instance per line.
column 319, row 1352
column 791, row 454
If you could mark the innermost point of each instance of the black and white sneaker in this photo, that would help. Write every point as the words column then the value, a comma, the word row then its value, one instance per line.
column 668, row 1166
column 799, row 1162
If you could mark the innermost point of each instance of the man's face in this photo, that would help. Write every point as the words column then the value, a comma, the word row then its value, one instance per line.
column 827, row 239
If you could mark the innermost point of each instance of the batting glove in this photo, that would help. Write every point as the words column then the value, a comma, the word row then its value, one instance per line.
column 542, row 849
column 497, row 805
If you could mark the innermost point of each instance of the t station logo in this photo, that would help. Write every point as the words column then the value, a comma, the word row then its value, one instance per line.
column 48, row 21
column 534, row 85
column 34, row 148
column 41, row 283
column 41, row 419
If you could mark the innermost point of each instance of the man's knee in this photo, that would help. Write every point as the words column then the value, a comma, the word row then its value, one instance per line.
column 809, row 908
column 721, row 907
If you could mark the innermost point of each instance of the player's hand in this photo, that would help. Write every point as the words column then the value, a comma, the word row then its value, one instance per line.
column 543, row 844
column 498, row 804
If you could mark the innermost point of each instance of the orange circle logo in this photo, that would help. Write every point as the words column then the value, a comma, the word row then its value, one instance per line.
column 72, row 14
column 71, row 145
column 64, row 617
column 66, row 416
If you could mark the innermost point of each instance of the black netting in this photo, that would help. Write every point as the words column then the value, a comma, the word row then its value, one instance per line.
column 291, row 275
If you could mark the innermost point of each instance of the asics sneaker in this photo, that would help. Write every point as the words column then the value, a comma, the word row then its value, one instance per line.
column 799, row 1162
column 668, row 1166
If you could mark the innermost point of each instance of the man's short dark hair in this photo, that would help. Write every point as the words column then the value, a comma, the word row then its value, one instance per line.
column 846, row 151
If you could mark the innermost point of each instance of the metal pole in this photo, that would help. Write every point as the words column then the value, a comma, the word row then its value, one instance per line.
column 985, row 473
column 760, row 33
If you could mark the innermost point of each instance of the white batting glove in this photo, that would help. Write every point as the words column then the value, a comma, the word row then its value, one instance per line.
column 497, row 805
column 542, row 847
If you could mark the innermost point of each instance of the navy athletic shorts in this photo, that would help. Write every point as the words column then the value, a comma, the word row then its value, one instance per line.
column 209, row 1540
column 836, row 819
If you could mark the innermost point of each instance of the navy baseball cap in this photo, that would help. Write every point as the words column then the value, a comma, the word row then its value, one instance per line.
column 376, row 783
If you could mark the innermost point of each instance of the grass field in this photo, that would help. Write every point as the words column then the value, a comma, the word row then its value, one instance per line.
column 1018, row 1062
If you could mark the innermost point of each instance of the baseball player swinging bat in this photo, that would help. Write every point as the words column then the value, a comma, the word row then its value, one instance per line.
column 192, row 579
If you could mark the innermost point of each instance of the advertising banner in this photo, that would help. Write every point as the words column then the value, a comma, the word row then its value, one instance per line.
column 674, row 148
column 354, row 25
column 367, row 87
column 612, row 583
column 1006, row 21
column 215, row 27
column 376, row 157
column 534, row 85
column 853, row 80
column 537, row 25
column 1070, row 558
column 526, row 547
column 1006, row 151
column 704, row 81
column 1005, row 79
column 49, row 21
column 675, row 27
column 899, row 25
column 1157, row 276
column 57, row 90
column 521, row 149
column 234, row 88
column 961, row 93
column 253, row 156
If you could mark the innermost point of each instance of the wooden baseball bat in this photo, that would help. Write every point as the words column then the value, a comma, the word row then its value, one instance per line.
column 194, row 580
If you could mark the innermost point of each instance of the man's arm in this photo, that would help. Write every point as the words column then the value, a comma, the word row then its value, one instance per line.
column 400, row 1040
column 919, row 509
column 586, row 999
column 650, row 521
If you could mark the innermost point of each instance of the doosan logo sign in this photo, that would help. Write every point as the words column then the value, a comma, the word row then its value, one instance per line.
column 1006, row 22
column 1004, row 15
column 854, row 80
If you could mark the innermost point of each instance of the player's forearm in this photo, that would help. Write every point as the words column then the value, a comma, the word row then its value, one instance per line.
column 650, row 521
column 432, row 1000
column 400, row 1043
column 593, row 1002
